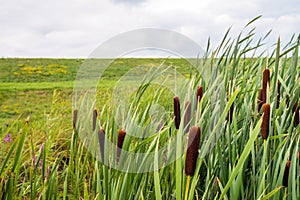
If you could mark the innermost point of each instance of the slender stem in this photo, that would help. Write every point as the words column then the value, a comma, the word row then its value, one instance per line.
column 187, row 185
column 285, row 193
column 265, row 149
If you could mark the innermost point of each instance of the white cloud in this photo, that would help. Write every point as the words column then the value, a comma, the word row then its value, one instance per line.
column 74, row 28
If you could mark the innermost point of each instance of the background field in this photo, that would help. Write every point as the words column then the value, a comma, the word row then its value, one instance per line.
column 27, row 85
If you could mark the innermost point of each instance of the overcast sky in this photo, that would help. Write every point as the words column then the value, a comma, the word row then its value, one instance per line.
column 74, row 28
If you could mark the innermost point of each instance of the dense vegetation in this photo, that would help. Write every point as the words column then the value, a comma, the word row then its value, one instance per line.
column 42, row 156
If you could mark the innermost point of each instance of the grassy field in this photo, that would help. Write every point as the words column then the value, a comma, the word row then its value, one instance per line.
column 43, row 157
column 27, row 85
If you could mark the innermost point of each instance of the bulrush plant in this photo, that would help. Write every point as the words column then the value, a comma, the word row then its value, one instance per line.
column 192, row 155
column 187, row 116
column 121, row 138
column 177, row 111
column 296, row 114
column 101, row 140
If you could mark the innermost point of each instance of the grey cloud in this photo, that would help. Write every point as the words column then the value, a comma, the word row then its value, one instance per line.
column 73, row 28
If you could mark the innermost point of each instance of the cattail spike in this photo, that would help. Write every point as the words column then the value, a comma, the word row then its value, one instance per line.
column 121, row 137
column 266, row 79
column 177, row 111
column 265, row 84
column 75, row 113
column 296, row 114
column 101, row 140
column 192, row 150
column 95, row 114
column 187, row 116
column 285, row 178
column 265, row 121
column 199, row 93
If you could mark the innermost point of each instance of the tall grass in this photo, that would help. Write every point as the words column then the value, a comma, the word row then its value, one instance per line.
column 231, row 163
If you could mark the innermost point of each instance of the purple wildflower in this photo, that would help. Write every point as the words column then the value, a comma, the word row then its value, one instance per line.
column 41, row 164
column 7, row 138
column 34, row 159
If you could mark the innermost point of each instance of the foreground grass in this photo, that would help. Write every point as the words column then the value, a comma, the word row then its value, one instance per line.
column 46, row 159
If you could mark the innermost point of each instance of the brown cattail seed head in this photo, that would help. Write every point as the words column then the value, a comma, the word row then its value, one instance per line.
column 285, row 178
column 75, row 113
column 265, row 121
column 199, row 93
column 187, row 116
column 177, row 111
column 296, row 114
column 121, row 137
column 95, row 114
column 266, row 79
column 101, row 140
column 192, row 150
column 278, row 94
